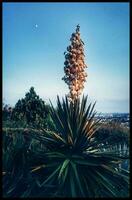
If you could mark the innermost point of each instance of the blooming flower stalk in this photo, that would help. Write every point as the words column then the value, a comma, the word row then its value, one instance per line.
column 74, row 68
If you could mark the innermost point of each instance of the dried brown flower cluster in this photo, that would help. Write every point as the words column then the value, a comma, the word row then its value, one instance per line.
column 74, row 68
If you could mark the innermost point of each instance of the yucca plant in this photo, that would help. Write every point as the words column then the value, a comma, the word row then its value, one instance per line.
column 76, row 164
column 69, row 160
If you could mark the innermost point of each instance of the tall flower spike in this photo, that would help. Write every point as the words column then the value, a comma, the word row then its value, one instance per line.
column 74, row 68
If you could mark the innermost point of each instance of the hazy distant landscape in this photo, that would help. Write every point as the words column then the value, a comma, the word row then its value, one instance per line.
column 122, row 118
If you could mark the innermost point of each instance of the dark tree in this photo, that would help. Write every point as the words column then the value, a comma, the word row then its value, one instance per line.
column 6, row 112
column 32, row 109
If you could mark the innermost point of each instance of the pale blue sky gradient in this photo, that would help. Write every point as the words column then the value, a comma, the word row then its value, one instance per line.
column 33, row 56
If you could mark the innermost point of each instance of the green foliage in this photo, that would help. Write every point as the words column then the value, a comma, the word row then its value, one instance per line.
column 19, row 157
column 32, row 110
column 67, row 162
column 6, row 112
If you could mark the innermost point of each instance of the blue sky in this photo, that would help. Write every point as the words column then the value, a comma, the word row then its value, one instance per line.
column 33, row 55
